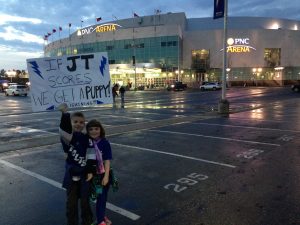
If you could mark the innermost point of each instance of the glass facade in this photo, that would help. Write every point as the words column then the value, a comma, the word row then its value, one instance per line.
column 200, row 60
column 159, row 50
column 164, row 52
column 272, row 57
column 130, row 61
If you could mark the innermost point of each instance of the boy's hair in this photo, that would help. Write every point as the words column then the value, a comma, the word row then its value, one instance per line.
column 95, row 123
column 77, row 114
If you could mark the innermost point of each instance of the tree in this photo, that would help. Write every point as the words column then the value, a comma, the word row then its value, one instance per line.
column 18, row 73
column 2, row 73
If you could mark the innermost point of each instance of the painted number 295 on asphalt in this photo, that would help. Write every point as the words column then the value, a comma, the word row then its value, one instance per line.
column 184, row 182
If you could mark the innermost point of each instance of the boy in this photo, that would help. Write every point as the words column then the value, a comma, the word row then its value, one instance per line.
column 76, row 179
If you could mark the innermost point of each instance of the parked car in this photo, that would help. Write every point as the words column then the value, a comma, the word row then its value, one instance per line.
column 210, row 86
column 296, row 87
column 16, row 89
column 177, row 86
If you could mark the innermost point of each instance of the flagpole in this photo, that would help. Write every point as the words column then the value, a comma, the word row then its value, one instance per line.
column 114, row 17
column 134, row 59
column 45, row 43
column 224, row 103
column 59, row 34
column 81, row 35
column 69, row 35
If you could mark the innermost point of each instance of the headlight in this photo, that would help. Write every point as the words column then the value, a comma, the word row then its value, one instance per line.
column 5, row 84
column 172, row 85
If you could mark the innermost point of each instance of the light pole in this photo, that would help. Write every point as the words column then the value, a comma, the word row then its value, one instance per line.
column 227, row 77
column 254, row 75
column 223, row 107
column 178, row 72
column 256, row 72
column 134, row 64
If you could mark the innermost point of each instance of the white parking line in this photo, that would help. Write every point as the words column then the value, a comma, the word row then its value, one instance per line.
column 126, row 117
column 176, row 155
column 258, row 119
column 109, row 206
column 28, row 151
column 246, row 127
column 214, row 137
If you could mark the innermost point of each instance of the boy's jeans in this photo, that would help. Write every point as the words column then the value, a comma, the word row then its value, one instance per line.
column 78, row 190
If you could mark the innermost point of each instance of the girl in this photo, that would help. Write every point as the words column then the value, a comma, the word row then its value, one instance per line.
column 101, row 167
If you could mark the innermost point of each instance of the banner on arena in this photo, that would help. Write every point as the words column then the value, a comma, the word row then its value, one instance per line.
column 219, row 8
column 77, row 80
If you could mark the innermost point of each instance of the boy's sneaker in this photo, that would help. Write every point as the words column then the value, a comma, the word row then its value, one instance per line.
column 107, row 221
column 76, row 178
column 102, row 223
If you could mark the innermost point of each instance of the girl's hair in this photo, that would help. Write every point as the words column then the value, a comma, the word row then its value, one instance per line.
column 95, row 123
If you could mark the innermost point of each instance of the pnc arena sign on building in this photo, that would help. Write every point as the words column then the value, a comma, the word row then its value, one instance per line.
column 239, row 45
column 98, row 29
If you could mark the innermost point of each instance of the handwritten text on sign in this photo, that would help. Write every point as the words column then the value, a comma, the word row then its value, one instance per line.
column 78, row 80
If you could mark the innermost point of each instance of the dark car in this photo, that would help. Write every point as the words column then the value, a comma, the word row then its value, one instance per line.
column 296, row 87
column 3, row 85
column 177, row 86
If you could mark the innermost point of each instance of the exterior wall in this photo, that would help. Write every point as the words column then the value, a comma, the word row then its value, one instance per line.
column 171, row 24
column 259, row 39
column 191, row 34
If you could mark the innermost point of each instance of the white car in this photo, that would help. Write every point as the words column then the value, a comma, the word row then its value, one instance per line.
column 210, row 86
column 16, row 89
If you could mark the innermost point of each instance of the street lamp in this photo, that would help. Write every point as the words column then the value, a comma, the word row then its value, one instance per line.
column 254, row 75
column 178, row 73
column 227, row 76
column 256, row 72
column 134, row 64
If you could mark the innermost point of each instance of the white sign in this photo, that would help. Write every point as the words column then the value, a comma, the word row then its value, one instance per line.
column 98, row 29
column 78, row 80
column 238, row 45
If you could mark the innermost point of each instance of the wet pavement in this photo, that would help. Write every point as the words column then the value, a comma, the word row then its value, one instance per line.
column 177, row 159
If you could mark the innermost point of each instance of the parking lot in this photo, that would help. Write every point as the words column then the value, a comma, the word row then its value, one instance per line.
column 176, row 159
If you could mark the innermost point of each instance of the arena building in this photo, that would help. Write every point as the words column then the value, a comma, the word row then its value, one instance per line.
column 155, row 50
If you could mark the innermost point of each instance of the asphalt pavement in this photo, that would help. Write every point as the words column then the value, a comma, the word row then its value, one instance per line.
column 176, row 158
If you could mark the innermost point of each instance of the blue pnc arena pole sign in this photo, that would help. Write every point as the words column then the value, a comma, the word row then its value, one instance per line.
column 219, row 9
column 77, row 80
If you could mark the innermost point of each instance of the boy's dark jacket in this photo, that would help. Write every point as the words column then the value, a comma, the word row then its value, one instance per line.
column 76, row 150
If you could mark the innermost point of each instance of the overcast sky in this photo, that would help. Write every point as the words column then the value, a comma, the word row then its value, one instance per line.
column 23, row 23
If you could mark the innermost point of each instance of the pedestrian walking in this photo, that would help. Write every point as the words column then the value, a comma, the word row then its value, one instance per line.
column 114, row 92
column 122, row 94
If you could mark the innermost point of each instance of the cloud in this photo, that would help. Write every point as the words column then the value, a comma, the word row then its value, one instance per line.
column 5, row 19
column 10, row 34
column 11, row 56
